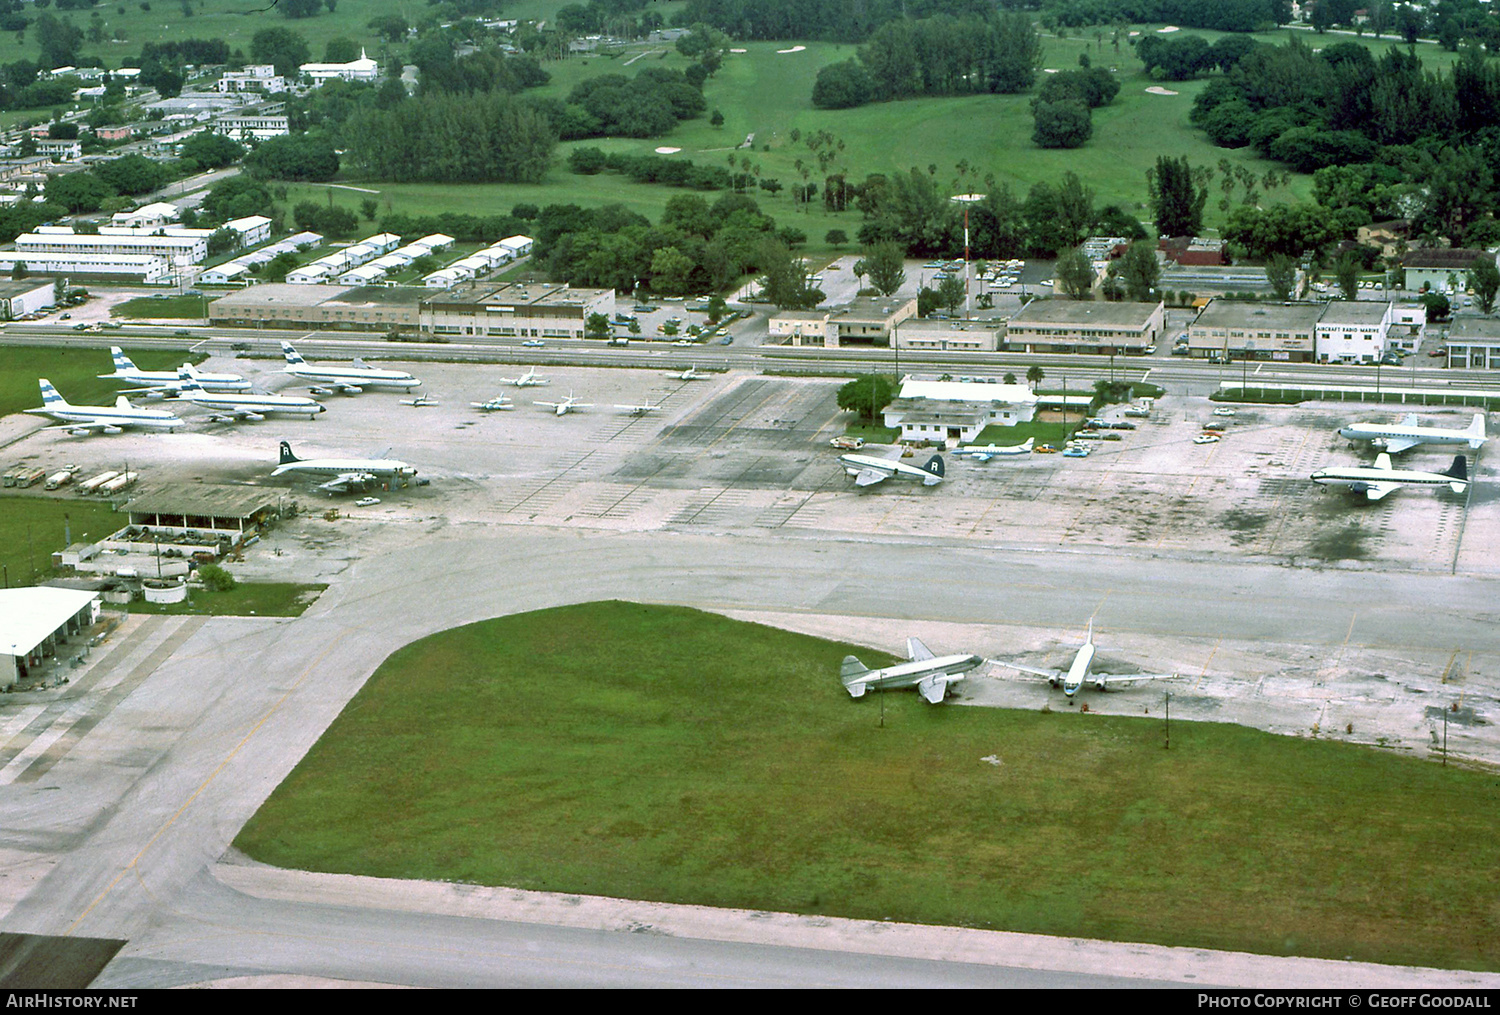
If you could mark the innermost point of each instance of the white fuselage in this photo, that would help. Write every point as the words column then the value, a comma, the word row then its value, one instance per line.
column 856, row 464
column 347, row 466
column 910, row 674
column 111, row 416
column 1408, row 436
column 170, row 379
column 254, row 403
column 1078, row 673
column 1361, row 477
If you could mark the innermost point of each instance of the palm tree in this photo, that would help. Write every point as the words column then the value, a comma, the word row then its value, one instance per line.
column 1034, row 375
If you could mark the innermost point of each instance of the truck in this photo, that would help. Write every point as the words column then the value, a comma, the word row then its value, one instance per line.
column 26, row 475
column 92, row 485
column 619, row 340
column 117, row 484
column 58, row 479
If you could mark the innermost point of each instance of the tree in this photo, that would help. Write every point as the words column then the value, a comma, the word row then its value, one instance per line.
column 868, row 395
column 835, row 237
column 1438, row 307
column 717, row 308
column 1076, row 274
column 843, row 86
column 294, row 157
column 212, row 151
column 284, row 48
column 78, row 192
column 951, row 293
column 1034, row 376
column 340, row 51
column 1176, row 201
column 1347, row 272
column 132, row 174
column 885, row 264
column 596, row 326
column 391, row 27
column 1484, row 276
column 1063, row 124
column 369, row 208
column 1140, row 271
column 1281, row 271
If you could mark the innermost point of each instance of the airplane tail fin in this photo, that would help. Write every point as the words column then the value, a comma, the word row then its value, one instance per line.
column 188, row 379
column 1476, row 430
column 293, row 357
column 122, row 362
column 286, row 455
column 1459, row 473
column 849, row 674
column 934, row 470
column 50, row 395
column 1029, row 442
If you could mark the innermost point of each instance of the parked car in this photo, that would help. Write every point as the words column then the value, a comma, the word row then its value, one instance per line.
column 1138, row 413
column 1215, row 427
column 1076, row 452
column 1044, row 449
column 847, row 443
column 1206, row 438
column 1223, row 410
column 534, row 343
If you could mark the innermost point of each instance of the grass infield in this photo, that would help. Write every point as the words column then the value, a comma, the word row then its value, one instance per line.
column 74, row 373
column 666, row 754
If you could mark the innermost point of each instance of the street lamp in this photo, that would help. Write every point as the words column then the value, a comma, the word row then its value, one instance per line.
column 966, row 200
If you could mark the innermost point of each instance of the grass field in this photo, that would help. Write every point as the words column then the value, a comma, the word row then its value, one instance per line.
column 596, row 749
column 33, row 528
column 188, row 308
column 246, row 599
column 74, row 372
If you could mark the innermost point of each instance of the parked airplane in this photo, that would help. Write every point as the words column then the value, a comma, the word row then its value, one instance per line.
column 983, row 453
column 350, row 380
column 529, row 379
column 1079, row 673
column 566, row 406
column 868, row 470
column 169, row 380
column 1380, row 480
column 230, row 407
column 690, row 374
column 639, row 410
column 348, row 473
column 1397, row 437
column 928, row 673
column 420, row 401
column 80, row 420
column 494, row 404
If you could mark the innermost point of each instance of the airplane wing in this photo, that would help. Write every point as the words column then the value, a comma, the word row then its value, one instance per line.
column 1375, row 491
column 1127, row 678
column 1383, row 461
column 933, row 688
column 86, row 425
column 1049, row 674
column 347, row 481
column 869, row 477
column 1396, row 445
column 917, row 652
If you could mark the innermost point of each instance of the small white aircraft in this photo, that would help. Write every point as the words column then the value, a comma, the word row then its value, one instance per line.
column 348, row 473
column 169, row 380
column 928, row 673
column 690, row 374
column 420, row 401
column 495, row 404
column 351, row 379
column 566, row 406
column 639, row 410
column 868, row 470
column 529, row 379
column 984, row 452
column 1079, row 673
column 1382, row 479
column 229, row 407
column 1397, row 437
column 81, row 420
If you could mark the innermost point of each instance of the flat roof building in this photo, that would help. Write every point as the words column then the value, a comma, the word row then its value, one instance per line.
column 942, row 411
column 142, row 268
column 1085, row 326
column 177, row 249
column 950, row 336
column 531, row 310
column 1352, row 331
column 1242, row 329
column 1474, row 343
column 35, row 621
column 332, row 307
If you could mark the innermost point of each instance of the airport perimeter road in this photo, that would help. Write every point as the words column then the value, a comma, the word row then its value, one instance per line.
column 124, row 831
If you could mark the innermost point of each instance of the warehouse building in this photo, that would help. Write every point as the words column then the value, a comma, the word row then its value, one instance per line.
column 36, row 622
column 1085, row 326
column 105, row 267
column 1238, row 329
column 539, row 310
column 331, row 307
column 17, row 299
column 206, row 513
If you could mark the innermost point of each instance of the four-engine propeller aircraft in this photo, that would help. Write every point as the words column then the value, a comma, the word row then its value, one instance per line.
column 868, row 470
column 566, row 406
column 349, row 474
column 230, row 407
column 169, row 380
column 984, row 452
column 351, row 379
column 690, row 374
column 529, row 379
column 639, row 410
column 1382, row 479
column 1397, row 437
column 1079, row 673
column 494, row 404
column 81, row 420
column 928, row 673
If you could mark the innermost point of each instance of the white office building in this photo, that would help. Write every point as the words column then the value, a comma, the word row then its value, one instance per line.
column 363, row 69
column 1352, row 331
column 519, row 246
column 255, row 78
column 942, row 411
column 114, row 267
column 244, row 128
column 158, row 214
column 253, row 229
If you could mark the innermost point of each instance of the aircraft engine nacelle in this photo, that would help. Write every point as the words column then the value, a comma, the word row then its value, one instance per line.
column 1101, row 685
column 321, row 391
column 254, row 417
column 113, row 429
column 80, row 431
column 352, row 389
column 1055, row 682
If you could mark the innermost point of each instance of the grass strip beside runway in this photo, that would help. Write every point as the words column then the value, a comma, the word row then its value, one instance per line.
column 666, row 754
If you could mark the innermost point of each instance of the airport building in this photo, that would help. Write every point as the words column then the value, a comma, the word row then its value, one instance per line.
column 202, row 514
column 942, row 411
column 1232, row 329
column 337, row 308
column 1474, row 343
column 17, row 299
column 36, row 622
column 869, row 320
column 538, row 310
column 1352, row 331
column 140, row 268
column 950, row 336
column 120, row 241
column 1087, row 326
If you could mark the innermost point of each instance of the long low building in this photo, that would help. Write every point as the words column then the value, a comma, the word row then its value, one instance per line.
column 112, row 267
column 536, row 310
column 1087, row 326
column 179, row 250
column 941, row 411
column 332, row 307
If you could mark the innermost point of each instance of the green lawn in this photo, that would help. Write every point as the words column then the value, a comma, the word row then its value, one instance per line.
column 666, row 754
column 189, row 308
column 33, row 528
column 246, row 599
column 74, row 372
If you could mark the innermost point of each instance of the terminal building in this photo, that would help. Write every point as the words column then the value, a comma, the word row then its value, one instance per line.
column 36, row 622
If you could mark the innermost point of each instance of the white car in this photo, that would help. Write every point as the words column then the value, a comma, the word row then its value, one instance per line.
column 367, row 502
column 1206, row 438
column 534, row 343
column 1223, row 410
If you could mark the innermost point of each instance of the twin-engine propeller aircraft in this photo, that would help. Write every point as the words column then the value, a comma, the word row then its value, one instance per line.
column 349, row 474
column 928, row 673
column 566, row 406
column 495, row 404
column 229, row 407
column 351, row 379
column 984, row 452
column 169, row 380
column 868, row 470
column 529, row 379
column 1397, row 437
column 1382, row 479
column 81, row 420
column 690, row 374
column 1080, row 672
column 639, row 410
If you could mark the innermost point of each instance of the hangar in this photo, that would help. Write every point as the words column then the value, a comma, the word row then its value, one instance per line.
column 213, row 512
column 35, row 621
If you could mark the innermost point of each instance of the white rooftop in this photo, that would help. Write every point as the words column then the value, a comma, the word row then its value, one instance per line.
column 29, row 615
column 967, row 391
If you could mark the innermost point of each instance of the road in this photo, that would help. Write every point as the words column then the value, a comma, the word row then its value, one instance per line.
column 127, row 832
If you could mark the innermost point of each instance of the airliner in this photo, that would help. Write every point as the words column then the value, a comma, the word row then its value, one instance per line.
column 1397, row 437
column 233, row 407
column 349, row 473
column 984, row 452
column 81, row 420
column 1376, row 482
column 169, row 380
column 1079, row 673
column 928, row 673
column 868, row 470
column 350, row 380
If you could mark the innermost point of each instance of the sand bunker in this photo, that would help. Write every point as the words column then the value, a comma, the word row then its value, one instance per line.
column 1159, row 90
column 794, row 49
column 667, row 150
